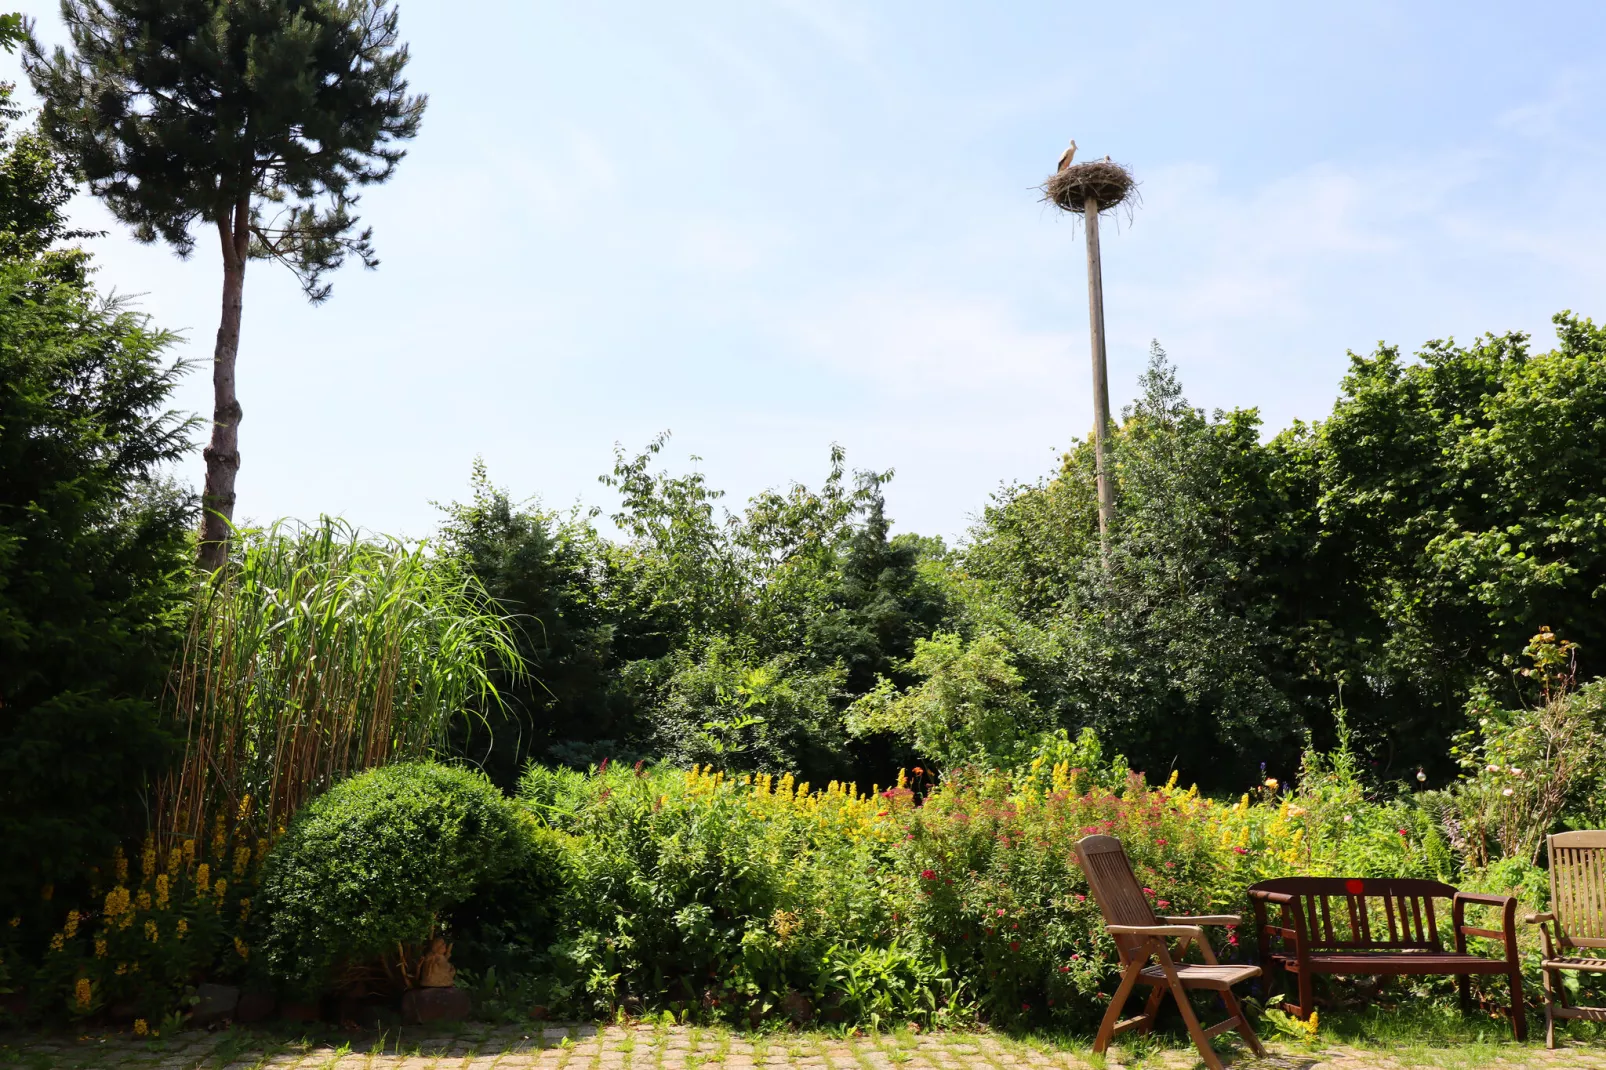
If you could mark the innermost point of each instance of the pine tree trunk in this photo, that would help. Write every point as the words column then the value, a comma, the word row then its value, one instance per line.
column 222, row 453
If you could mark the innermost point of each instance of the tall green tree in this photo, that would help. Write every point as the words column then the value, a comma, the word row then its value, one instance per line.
column 94, row 545
column 258, row 118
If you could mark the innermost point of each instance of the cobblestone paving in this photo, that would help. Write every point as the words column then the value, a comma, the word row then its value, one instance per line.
column 646, row 1047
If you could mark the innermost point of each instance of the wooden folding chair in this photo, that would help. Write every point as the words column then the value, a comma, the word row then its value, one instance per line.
column 1142, row 939
column 1576, row 919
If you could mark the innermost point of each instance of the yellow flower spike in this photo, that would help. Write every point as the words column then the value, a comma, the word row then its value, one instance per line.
column 189, row 851
column 83, row 994
column 220, row 889
column 57, row 942
column 152, row 933
column 240, row 948
column 71, row 928
column 120, row 864
column 203, row 878
column 16, row 920
column 122, row 969
column 245, row 810
column 242, row 859
column 100, row 947
column 141, row 1027
column 161, row 891
column 183, row 928
column 1172, row 783
column 245, row 909
column 175, row 861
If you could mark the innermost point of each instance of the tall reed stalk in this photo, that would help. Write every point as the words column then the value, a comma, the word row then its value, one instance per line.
column 316, row 653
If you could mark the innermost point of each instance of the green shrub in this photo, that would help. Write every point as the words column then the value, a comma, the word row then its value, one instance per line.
column 379, row 860
column 728, row 894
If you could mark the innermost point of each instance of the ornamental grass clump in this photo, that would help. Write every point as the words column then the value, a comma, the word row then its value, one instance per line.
column 319, row 652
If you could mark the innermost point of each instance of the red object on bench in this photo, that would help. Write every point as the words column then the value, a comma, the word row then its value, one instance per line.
column 1380, row 927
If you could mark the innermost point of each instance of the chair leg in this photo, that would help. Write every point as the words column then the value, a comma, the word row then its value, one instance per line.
column 1151, row 1009
column 1307, row 994
column 1463, row 985
column 1245, row 1030
column 1129, row 980
column 1551, row 979
column 1191, row 1020
column 1519, row 1011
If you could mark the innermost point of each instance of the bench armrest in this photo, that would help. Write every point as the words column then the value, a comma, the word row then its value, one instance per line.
column 1204, row 919
column 1484, row 898
column 1506, row 934
column 1280, row 898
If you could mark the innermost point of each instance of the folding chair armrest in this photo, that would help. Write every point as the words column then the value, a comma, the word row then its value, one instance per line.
column 1156, row 930
column 1539, row 919
column 1204, row 919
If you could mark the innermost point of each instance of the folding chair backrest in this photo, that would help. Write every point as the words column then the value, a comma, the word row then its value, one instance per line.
column 1117, row 892
column 1578, row 886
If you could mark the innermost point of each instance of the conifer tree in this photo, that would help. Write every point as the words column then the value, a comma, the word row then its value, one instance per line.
column 260, row 118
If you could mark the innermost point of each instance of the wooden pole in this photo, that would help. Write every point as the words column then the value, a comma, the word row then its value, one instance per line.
column 1101, row 377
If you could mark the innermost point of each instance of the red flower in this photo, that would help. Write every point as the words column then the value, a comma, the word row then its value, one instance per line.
column 1241, row 850
column 1159, row 843
column 1233, row 939
column 1076, row 958
column 1148, row 891
column 1025, row 1006
column 1065, row 969
column 1405, row 834
column 1163, row 903
column 1081, row 899
column 1000, row 913
column 1014, row 945
column 928, row 874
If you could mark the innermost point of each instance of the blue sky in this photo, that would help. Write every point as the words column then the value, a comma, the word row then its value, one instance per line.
column 770, row 226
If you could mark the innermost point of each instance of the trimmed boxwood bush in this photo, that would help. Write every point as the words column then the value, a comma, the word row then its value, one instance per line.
column 380, row 860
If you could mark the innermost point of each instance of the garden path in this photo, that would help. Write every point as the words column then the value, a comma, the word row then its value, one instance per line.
column 648, row 1047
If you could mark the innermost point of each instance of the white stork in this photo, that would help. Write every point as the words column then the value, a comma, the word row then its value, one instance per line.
column 1070, row 154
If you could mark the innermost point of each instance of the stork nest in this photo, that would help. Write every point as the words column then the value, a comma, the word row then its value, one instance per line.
column 1110, row 184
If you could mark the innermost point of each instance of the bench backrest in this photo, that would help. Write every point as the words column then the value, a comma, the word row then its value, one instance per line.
column 1578, row 887
column 1351, row 913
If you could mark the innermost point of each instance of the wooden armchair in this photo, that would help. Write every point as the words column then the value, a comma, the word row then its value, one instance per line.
column 1141, row 939
column 1576, row 920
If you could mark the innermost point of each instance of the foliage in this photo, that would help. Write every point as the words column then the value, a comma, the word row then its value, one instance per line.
column 92, row 544
column 970, row 707
column 726, row 894
column 318, row 653
column 181, row 111
column 1525, row 768
column 377, row 863
column 738, row 638
column 186, row 916
column 1389, row 558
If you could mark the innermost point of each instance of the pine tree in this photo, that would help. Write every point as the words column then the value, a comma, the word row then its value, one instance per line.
column 259, row 117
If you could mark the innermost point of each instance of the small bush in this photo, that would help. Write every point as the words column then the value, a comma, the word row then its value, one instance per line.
column 379, row 861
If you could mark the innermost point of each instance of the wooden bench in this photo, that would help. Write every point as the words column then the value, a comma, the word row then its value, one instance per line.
column 1380, row 928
